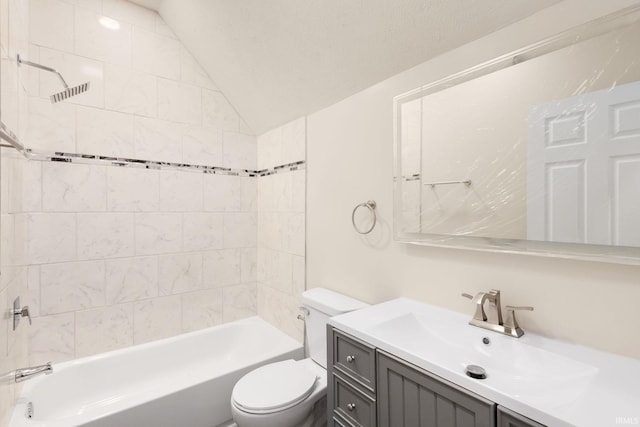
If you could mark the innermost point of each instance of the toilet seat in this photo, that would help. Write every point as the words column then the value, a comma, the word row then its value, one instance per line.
column 274, row 387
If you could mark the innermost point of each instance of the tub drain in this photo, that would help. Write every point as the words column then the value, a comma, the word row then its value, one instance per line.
column 476, row 372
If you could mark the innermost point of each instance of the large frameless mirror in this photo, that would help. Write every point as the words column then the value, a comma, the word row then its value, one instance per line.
column 537, row 151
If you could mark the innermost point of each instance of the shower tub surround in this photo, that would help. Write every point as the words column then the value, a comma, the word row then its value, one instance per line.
column 188, row 377
column 124, row 278
column 136, row 217
column 107, row 256
column 117, row 256
column 139, row 214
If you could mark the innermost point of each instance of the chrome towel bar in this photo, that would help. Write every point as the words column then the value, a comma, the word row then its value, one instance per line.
column 466, row 182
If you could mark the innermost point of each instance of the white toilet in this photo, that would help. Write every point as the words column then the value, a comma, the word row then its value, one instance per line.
column 283, row 394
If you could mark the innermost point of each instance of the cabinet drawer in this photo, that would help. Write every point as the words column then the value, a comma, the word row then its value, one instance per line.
column 352, row 405
column 355, row 359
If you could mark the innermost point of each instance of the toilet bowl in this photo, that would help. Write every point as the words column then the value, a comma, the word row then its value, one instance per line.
column 283, row 394
column 280, row 394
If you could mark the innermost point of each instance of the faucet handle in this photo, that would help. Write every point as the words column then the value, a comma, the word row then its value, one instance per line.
column 512, row 323
column 25, row 313
column 478, row 300
column 17, row 312
column 513, row 307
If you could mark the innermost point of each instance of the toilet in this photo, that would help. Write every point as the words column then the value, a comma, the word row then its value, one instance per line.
column 283, row 394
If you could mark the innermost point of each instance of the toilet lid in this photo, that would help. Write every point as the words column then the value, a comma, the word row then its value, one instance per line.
column 275, row 386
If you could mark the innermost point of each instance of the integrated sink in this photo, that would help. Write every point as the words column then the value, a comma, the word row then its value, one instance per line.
column 519, row 369
column 551, row 381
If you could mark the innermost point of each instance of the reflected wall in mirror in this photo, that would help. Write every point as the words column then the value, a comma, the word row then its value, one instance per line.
column 535, row 151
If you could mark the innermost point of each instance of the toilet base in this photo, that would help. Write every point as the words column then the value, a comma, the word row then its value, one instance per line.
column 299, row 417
column 316, row 417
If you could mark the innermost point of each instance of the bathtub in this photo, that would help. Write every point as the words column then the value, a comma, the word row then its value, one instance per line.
column 181, row 381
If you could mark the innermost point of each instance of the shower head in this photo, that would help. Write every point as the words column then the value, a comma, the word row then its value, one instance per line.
column 67, row 92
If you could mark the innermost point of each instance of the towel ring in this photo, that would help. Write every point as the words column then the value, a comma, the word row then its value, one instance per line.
column 371, row 205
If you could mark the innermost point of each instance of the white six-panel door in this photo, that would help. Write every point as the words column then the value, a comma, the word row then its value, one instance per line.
column 584, row 168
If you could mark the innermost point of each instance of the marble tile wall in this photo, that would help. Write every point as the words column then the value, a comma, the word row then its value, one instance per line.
column 118, row 255
column 106, row 256
column 109, row 256
column 281, row 228
column 121, row 256
column 148, row 98
column 13, row 271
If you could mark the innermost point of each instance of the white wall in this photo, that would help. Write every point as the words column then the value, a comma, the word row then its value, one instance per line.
column 349, row 152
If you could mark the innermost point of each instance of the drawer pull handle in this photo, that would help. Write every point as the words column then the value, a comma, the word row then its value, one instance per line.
column 351, row 359
column 351, row 407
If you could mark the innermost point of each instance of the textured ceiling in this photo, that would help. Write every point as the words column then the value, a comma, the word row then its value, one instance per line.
column 277, row 60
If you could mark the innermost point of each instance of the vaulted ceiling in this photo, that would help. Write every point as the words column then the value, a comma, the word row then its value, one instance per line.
column 277, row 60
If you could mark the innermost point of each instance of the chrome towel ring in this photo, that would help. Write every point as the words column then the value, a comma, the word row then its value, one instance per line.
column 371, row 205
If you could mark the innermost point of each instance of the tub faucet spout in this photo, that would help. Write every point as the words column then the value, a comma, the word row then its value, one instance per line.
column 27, row 373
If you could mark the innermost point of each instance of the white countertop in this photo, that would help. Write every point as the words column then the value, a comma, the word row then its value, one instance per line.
column 552, row 382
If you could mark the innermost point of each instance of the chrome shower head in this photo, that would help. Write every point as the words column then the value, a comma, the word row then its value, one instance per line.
column 67, row 92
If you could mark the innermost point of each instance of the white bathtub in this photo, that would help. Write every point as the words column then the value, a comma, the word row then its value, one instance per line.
column 180, row 381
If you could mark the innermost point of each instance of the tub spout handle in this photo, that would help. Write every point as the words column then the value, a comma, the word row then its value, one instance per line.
column 19, row 312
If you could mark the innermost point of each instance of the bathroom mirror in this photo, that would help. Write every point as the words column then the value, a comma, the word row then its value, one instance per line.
column 537, row 151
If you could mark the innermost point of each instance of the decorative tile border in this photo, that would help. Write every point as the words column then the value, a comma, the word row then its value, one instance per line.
column 151, row 164
column 289, row 167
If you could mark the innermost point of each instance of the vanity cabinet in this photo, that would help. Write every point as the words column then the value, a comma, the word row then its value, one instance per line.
column 368, row 387
column 409, row 396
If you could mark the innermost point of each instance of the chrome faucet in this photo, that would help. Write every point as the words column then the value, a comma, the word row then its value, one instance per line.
column 494, row 322
column 27, row 373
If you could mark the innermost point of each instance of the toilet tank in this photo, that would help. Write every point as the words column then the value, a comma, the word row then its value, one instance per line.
column 321, row 305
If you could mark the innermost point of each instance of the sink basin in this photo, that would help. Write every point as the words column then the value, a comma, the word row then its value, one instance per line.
column 553, row 382
column 521, row 370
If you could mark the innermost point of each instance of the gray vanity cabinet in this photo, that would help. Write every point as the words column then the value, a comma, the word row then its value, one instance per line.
column 410, row 397
column 368, row 387
column 508, row 418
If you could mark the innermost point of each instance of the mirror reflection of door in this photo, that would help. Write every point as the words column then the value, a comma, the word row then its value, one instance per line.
column 584, row 168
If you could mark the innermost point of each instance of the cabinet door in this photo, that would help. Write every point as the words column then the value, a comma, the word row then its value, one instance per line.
column 508, row 418
column 411, row 397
